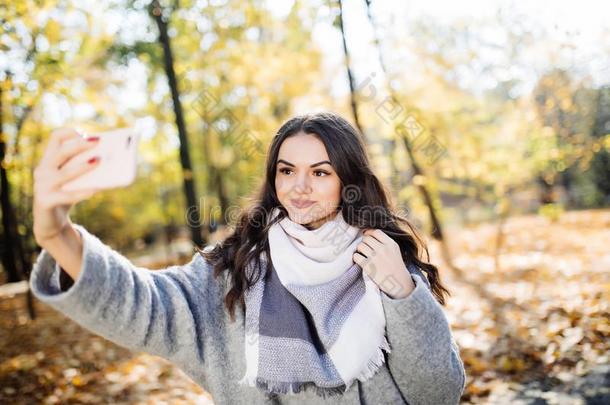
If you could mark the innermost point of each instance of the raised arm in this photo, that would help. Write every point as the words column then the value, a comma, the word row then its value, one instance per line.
column 163, row 312
column 425, row 360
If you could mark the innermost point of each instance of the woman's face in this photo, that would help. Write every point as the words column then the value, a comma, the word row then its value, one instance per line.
column 304, row 174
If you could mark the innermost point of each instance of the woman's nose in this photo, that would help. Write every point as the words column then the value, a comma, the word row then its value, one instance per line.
column 302, row 184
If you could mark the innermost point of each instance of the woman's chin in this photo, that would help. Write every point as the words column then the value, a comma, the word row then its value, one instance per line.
column 309, row 215
column 308, row 220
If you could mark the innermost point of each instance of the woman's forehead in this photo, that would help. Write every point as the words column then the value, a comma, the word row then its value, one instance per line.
column 303, row 149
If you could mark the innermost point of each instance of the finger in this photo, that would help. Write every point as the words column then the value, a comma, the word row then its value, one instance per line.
column 372, row 242
column 68, row 150
column 359, row 259
column 71, row 171
column 384, row 237
column 58, row 136
column 61, row 135
column 379, row 235
column 365, row 249
column 367, row 266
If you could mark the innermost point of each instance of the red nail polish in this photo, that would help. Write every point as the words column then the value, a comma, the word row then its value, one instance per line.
column 93, row 160
column 93, row 139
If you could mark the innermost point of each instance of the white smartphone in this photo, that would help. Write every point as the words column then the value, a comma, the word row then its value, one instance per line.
column 117, row 150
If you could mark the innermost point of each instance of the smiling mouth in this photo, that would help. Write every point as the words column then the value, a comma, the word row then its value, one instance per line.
column 302, row 204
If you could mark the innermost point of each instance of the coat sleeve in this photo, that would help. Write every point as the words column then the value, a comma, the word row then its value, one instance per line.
column 424, row 360
column 162, row 312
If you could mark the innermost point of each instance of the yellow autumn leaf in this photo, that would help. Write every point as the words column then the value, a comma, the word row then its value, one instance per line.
column 52, row 31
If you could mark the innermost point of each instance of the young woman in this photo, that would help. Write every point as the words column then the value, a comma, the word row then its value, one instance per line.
column 336, row 304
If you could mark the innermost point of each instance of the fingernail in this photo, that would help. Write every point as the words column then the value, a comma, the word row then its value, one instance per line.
column 93, row 160
column 93, row 139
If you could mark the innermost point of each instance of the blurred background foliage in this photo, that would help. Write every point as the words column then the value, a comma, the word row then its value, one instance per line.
column 521, row 117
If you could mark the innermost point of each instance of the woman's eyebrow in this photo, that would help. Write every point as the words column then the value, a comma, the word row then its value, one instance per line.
column 313, row 165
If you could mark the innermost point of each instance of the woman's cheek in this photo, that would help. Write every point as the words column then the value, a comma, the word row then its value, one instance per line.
column 330, row 189
column 284, row 190
column 280, row 186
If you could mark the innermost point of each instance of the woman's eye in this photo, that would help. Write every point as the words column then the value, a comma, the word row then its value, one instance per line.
column 284, row 170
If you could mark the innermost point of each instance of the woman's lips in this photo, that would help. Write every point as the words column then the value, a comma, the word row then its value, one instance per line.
column 302, row 203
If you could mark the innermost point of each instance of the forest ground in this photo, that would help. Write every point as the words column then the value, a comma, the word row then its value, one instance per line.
column 535, row 330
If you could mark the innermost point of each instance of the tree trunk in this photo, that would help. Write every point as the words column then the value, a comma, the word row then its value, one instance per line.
column 222, row 195
column 350, row 76
column 193, row 218
column 397, row 178
column 437, row 228
column 10, row 237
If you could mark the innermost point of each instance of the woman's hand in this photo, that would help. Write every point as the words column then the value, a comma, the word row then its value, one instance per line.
column 51, row 204
column 381, row 259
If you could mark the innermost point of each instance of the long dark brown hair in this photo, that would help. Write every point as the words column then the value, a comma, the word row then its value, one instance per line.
column 364, row 204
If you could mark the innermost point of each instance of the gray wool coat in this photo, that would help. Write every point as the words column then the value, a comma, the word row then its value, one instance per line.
column 177, row 313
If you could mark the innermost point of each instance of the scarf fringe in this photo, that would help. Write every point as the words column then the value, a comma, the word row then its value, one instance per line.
column 273, row 388
column 279, row 387
column 373, row 364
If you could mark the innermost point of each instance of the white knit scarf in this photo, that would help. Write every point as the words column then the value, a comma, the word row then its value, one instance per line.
column 317, row 319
